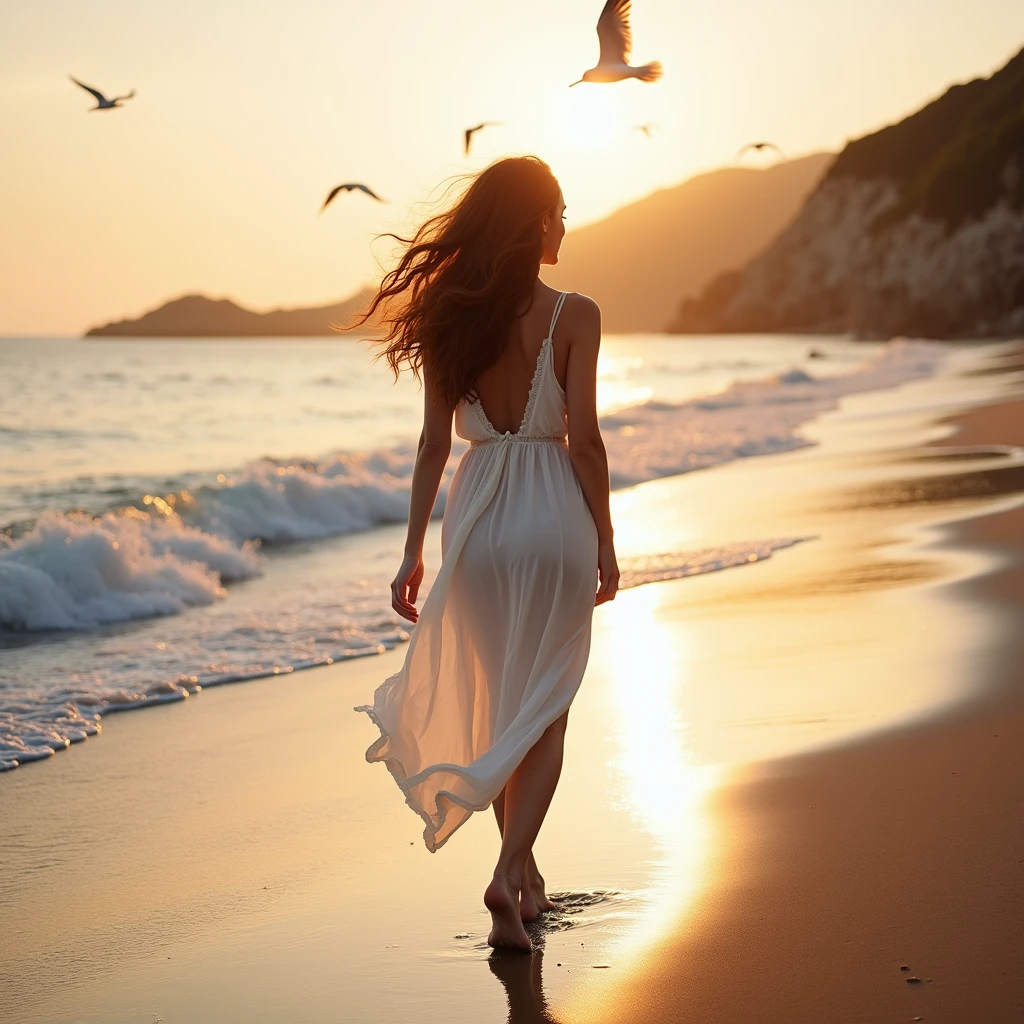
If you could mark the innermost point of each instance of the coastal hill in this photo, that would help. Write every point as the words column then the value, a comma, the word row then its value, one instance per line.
column 196, row 316
column 639, row 262
column 917, row 229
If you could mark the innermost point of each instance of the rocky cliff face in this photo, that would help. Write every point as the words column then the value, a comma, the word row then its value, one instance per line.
column 917, row 229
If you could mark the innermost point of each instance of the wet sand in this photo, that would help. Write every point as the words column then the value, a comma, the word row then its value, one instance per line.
column 881, row 881
column 759, row 817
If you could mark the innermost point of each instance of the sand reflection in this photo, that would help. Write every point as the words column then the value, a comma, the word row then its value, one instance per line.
column 648, row 658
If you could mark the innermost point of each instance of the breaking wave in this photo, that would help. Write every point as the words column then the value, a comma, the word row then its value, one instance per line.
column 164, row 554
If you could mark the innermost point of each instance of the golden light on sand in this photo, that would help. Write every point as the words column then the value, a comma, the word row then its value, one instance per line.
column 647, row 658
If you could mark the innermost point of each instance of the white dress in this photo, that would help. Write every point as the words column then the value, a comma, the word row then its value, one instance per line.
column 504, row 634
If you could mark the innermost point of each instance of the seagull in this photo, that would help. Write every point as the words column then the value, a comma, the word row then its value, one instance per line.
column 348, row 187
column 616, row 39
column 647, row 129
column 758, row 146
column 102, row 103
column 470, row 132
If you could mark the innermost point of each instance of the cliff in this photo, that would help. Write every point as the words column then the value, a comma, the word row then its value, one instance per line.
column 196, row 316
column 638, row 262
column 917, row 229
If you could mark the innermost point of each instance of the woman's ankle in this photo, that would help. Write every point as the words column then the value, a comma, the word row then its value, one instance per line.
column 511, row 875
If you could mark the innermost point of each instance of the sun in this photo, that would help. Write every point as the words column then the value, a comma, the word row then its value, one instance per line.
column 589, row 117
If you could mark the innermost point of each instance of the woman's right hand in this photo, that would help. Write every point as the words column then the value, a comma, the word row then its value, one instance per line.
column 607, row 573
column 405, row 587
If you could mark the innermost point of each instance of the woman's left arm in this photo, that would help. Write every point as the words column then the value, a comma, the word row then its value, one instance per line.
column 435, row 446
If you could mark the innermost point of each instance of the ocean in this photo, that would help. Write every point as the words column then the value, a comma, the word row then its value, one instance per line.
column 177, row 514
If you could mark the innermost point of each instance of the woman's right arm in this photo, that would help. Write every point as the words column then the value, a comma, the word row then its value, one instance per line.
column 435, row 445
column 586, row 447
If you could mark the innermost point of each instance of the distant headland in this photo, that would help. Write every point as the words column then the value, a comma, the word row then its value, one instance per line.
column 638, row 263
column 198, row 316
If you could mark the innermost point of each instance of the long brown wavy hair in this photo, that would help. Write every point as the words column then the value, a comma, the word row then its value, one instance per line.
column 465, row 276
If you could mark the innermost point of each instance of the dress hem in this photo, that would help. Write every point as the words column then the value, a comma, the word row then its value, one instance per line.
column 402, row 778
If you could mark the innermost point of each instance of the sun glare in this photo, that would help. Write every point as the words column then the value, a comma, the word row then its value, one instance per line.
column 589, row 117
column 663, row 791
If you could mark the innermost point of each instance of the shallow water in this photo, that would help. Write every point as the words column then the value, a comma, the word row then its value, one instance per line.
column 178, row 514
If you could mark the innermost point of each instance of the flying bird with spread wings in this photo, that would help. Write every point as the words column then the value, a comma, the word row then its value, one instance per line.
column 616, row 39
column 647, row 129
column 349, row 187
column 470, row 132
column 102, row 103
column 758, row 147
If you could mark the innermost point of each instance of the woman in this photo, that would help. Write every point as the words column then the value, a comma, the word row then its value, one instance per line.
column 477, row 715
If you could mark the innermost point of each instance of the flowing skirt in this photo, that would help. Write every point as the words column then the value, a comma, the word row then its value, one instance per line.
column 503, row 637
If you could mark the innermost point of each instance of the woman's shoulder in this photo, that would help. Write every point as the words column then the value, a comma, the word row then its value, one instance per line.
column 581, row 311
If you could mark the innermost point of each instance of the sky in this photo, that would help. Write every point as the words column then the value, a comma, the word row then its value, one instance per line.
column 248, row 112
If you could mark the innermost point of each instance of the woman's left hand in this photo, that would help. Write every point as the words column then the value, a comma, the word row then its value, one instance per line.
column 607, row 573
column 405, row 587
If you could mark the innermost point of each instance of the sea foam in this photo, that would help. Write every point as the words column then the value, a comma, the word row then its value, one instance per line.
column 659, row 439
column 346, row 493
column 73, row 571
column 129, row 670
column 165, row 554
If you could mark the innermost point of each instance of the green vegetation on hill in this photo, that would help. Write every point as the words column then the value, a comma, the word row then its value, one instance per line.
column 918, row 229
column 954, row 158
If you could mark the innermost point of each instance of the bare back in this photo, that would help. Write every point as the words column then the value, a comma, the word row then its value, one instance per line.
column 503, row 389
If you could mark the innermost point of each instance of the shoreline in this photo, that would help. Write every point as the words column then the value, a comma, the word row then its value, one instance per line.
column 325, row 500
column 258, row 507
column 879, row 879
column 246, row 864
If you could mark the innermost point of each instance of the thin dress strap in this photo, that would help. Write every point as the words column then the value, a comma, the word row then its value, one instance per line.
column 559, row 302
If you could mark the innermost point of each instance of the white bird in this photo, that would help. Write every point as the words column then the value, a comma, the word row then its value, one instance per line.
column 758, row 146
column 348, row 187
column 647, row 129
column 102, row 103
column 470, row 132
column 616, row 39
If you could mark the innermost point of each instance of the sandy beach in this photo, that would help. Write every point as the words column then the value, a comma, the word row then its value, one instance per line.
column 798, row 799
column 882, row 880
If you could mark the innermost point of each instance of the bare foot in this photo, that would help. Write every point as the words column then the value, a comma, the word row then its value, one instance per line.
column 533, row 900
column 507, row 931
